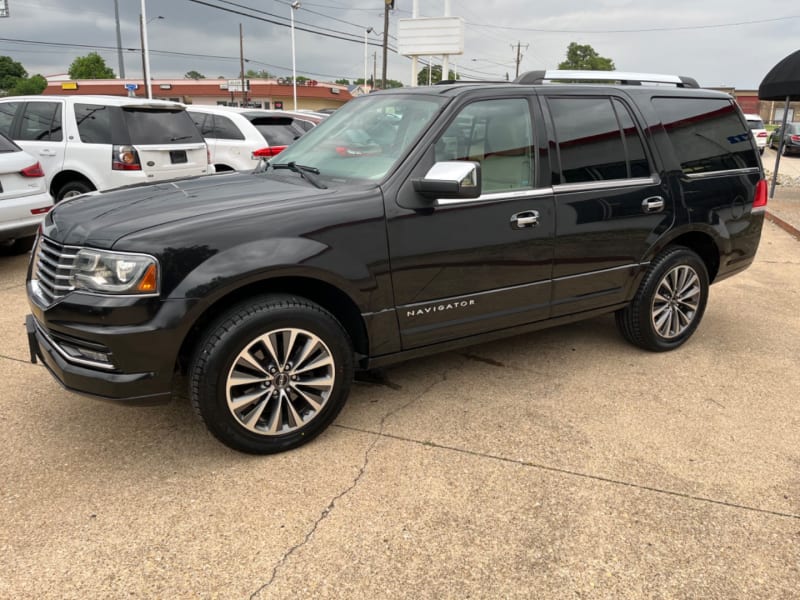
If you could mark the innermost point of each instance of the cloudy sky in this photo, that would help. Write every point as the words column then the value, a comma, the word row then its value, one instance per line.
column 718, row 42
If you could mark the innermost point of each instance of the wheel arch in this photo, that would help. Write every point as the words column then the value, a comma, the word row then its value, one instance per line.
column 702, row 243
column 327, row 295
column 65, row 177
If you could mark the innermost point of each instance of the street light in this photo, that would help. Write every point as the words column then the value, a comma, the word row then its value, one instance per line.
column 294, row 6
column 367, row 31
column 143, row 21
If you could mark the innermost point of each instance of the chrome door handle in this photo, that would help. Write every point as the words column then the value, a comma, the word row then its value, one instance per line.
column 47, row 152
column 528, row 218
column 653, row 204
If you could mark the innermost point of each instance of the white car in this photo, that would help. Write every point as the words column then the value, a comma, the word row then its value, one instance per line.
column 758, row 130
column 87, row 143
column 238, row 138
column 24, row 200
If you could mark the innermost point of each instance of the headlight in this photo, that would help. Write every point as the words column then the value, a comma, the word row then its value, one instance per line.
column 114, row 272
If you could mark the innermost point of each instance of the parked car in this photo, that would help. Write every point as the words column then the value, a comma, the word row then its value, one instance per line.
column 238, row 138
column 24, row 200
column 87, row 143
column 791, row 139
column 758, row 130
column 413, row 221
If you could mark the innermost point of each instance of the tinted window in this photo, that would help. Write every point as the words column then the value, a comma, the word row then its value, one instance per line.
column 634, row 147
column 41, row 122
column 498, row 134
column 7, row 112
column 755, row 123
column 707, row 134
column 204, row 122
column 6, row 145
column 224, row 129
column 94, row 123
column 590, row 143
column 157, row 126
column 278, row 131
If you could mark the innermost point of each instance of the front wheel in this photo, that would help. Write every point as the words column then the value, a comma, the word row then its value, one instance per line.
column 669, row 303
column 272, row 374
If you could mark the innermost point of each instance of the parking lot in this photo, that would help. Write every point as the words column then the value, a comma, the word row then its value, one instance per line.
column 564, row 463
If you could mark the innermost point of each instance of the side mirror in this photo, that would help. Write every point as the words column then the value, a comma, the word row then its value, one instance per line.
column 456, row 179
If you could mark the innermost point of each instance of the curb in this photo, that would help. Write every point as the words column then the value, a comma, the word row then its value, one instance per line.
column 790, row 229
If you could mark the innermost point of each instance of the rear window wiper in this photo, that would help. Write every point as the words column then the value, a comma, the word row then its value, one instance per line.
column 306, row 173
column 180, row 137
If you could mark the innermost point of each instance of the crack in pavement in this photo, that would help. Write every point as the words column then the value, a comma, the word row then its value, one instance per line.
column 562, row 471
column 21, row 360
column 332, row 504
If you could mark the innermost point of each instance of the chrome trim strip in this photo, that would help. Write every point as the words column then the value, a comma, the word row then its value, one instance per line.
column 589, row 186
column 494, row 196
column 747, row 171
column 608, row 270
column 67, row 357
column 452, row 299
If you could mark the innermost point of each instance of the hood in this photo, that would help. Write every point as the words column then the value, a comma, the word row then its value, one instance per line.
column 100, row 219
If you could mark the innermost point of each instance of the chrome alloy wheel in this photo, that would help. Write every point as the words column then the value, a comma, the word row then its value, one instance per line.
column 280, row 381
column 676, row 301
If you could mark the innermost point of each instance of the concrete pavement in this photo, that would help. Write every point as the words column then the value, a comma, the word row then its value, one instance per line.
column 564, row 463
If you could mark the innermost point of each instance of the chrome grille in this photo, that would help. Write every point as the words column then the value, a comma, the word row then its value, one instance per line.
column 52, row 268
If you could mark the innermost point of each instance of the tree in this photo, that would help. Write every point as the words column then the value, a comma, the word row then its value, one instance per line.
column 345, row 81
column 10, row 73
column 29, row 86
column 582, row 57
column 91, row 66
column 435, row 75
column 193, row 75
column 262, row 74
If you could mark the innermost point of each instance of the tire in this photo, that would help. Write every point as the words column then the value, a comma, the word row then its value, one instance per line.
column 73, row 188
column 246, row 386
column 658, row 319
column 18, row 246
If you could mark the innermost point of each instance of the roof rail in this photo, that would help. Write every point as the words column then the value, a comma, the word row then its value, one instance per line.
column 621, row 77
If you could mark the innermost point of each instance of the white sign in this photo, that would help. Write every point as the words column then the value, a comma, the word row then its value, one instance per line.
column 235, row 85
column 3, row 8
column 430, row 36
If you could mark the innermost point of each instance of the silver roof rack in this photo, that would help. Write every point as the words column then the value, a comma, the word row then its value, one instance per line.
column 621, row 77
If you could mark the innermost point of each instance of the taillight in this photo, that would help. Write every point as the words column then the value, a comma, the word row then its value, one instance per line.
column 34, row 170
column 760, row 196
column 268, row 152
column 125, row 158
column 208, row 154
column 795, row 138
column 41, row 211
column 762, row 134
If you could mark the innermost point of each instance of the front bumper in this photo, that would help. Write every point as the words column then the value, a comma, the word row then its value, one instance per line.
column 129, row 388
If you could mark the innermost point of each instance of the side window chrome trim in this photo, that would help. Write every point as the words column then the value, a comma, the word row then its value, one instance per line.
column 607, row 184
column 498, row 196
column 727, row 172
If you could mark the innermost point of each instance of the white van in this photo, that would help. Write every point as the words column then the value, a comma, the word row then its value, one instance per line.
column 87, row 143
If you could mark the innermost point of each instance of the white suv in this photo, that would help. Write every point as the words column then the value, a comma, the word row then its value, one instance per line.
column 87, row 143
column 238, row 138
column 758, row 130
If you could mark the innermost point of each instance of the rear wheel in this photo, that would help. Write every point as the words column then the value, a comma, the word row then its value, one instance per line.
column 272, row 374
column 669, row 303
column 72, row 189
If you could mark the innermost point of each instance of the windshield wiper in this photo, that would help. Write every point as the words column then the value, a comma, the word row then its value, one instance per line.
column 306, row 173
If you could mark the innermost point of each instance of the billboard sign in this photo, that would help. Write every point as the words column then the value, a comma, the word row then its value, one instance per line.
column 430, row 36
column 3, row 8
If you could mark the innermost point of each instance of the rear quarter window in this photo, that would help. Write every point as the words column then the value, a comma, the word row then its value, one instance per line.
column 94, row 123
column 707, row 134
column 157, row 126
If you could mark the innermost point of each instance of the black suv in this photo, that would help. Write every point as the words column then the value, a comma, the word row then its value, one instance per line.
column 412, row 221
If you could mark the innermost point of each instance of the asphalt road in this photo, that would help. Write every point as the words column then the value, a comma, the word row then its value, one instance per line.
column 560, row 464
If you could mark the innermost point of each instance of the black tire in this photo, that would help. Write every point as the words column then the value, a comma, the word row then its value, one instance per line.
column 73, row 188
column 659, row 323
column 18, row 246
column 248, row 348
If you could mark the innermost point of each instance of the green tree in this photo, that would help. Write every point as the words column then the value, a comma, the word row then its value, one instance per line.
column 193, row 75
column 10, row 73
column 262, row 74
column 435, row 75
column 91, row 66
column 29, row 86
column 345, row 81
column 582, row 57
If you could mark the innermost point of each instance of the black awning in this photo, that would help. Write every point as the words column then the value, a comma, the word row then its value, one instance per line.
column 783, row 80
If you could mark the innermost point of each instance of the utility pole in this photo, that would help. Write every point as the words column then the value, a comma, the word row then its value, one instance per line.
column 119, row 42
column 374, row 68
column 241, row 63
column 519, row 57
column 386, row 6
column 145, row 74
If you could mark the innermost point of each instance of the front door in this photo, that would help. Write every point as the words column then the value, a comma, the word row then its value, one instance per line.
column 471, row 266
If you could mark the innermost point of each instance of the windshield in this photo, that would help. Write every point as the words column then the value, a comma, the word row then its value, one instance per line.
column 363, row 140
column 755, row 123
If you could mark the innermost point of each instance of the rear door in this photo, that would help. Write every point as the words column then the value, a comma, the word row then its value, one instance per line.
column 611, row 205
column 40, row 132
column 168, row 142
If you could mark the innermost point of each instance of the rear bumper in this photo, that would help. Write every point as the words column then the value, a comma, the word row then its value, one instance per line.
column 16, row 220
